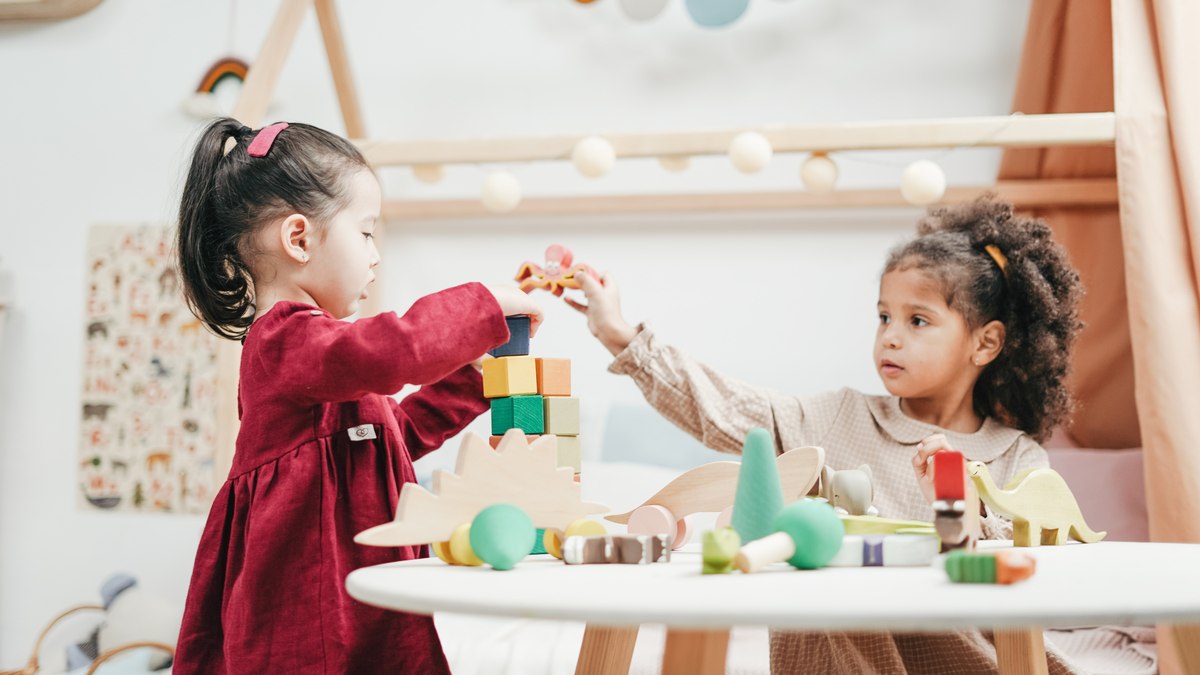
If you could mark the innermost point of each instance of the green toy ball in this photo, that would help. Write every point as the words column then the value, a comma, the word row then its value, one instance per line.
column 816, row 529
column 502, row 535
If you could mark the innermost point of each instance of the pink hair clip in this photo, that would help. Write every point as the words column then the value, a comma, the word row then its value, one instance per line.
column 264, row 139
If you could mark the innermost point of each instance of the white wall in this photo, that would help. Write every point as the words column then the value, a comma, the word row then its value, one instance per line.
column 93, row 134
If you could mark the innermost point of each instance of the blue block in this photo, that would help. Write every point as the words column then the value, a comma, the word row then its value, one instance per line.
column 518, row 340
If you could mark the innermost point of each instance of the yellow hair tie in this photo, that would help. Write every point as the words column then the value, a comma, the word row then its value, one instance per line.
column 1001, row 260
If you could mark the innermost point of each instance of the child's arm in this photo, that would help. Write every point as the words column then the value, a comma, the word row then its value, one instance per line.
column 320, row 359
column 716, row 410
column 435, row 412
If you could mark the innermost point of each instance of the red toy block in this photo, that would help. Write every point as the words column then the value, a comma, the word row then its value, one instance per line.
column 949, row 476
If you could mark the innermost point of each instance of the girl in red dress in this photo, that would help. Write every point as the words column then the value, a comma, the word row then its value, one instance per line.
column 275, row 248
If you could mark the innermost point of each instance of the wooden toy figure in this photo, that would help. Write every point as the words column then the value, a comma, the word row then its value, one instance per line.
column 523, row 475
column 559, row 272
column 1001, row 567
column 850, row 491
column 712, row 487
column 956, row 527
column 1040, row 504
column 808, row 535
column 629, row 549
column 720, row 548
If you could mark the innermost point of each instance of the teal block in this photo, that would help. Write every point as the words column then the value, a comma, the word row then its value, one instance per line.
column 539, row 545
column 518, row 412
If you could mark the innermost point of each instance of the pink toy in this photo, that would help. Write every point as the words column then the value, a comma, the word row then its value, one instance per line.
column 558, row 273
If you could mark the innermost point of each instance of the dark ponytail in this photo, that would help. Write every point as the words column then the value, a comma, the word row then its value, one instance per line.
column 229, row 195
column 1035, row 296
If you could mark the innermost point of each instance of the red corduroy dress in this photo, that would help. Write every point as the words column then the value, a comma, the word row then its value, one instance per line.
column 321, row 455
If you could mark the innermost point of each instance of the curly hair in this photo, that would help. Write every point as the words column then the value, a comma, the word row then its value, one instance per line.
column 1035, row 296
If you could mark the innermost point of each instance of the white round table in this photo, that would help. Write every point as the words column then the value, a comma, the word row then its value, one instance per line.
column 1110, row 583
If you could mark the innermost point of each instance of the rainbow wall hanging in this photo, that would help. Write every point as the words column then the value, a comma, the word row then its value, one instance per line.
column 204, row 102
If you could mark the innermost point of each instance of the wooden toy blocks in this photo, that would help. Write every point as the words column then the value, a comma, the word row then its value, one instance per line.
column 1002, row 567
column 570, row 452
column 636, row 549
column 518, row 338
column 955, row 516
column 561, row 414
column 553, row 377
column 518, row 412
column 509, row 376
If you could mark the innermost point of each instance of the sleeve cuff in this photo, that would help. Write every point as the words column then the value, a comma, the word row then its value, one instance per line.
column 636, row 354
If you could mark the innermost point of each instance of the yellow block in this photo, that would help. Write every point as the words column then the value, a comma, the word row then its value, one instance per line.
column 460, row 546
column 509, row 376
column 584, row 527
column 442, row 550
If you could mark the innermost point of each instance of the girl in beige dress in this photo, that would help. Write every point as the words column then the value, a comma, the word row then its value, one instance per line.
column 977, row 316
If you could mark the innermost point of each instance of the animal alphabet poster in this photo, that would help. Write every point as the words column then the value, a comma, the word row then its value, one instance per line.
column 148, row 409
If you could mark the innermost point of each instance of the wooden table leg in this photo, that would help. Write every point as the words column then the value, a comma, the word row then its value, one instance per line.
column 695, row 652
column 1187, row 643
column 606, row 650
column 1021, row 652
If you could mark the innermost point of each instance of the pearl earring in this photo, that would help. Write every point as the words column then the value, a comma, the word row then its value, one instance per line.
column 976, row 360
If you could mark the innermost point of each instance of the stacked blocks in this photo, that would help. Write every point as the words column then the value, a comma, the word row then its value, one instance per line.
column 533, row 395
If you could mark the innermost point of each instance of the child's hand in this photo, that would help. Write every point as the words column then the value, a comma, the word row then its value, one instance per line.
column 923, row 463
column 514, row 302
column 603, row 311
column 923, row 468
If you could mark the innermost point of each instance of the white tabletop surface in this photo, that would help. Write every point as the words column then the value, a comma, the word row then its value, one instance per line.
column 1110, row 583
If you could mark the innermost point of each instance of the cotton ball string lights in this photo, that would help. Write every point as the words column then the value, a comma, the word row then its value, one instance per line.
column 593, row 156
column 923, row 183
column 643, row 10
column 675, row 163
column 428, row 173
column 501, row 192
column 819, row 174
column 715, row 13
column 750, row 152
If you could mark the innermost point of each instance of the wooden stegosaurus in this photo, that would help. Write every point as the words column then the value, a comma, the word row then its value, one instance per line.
column 517, row 472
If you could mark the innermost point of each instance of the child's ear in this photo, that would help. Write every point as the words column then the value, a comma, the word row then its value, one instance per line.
column 296, row 235
column 989, row 342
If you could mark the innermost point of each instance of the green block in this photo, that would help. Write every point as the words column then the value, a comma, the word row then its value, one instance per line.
column 759, row 496
column 971, row 568
column 719, row 550
column 518, row 412
column 538, row 545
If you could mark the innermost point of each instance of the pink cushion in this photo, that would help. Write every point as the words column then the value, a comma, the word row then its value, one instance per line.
column 1108, row 486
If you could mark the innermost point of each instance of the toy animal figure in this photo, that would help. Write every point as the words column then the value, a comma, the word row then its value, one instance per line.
column 712, row 487
column 1040, row 504
column 849, row 492
column 559, row 273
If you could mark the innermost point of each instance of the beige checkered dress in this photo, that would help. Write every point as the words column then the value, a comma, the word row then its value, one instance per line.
column 854, row 429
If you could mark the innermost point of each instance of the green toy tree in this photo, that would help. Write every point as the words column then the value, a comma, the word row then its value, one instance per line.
column 759, row 495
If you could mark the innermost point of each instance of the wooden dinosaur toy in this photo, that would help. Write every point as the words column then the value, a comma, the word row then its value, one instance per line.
column 520, row 473
column 1040, row 504
column 712, row 487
